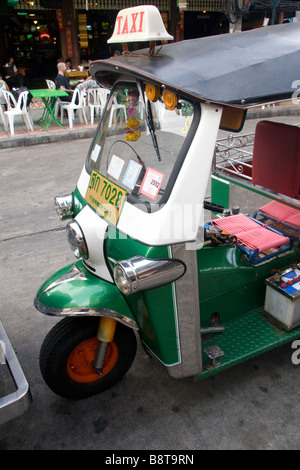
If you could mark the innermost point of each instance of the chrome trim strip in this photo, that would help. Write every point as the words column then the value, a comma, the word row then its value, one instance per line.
column 87, row 312
column 175, row 309
column 187, row 296
column 152, row 354
column 185, row 293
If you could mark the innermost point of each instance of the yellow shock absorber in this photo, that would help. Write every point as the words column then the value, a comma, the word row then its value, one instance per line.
column 105, row 335
column 106, row 330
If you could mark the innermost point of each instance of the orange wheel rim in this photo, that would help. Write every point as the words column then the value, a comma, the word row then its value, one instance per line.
column 79, row 365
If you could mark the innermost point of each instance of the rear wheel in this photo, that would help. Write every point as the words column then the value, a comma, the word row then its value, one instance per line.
column 69, row 349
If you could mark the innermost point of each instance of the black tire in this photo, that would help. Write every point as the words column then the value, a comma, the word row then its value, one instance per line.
column 66, row 337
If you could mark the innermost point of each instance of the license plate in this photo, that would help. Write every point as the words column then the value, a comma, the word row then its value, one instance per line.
column 106, row 197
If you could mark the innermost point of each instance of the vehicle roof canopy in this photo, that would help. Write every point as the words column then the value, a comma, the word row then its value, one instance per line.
column 240, row 69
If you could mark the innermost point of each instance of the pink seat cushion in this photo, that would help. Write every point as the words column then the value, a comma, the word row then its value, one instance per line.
column 282, row 213
column 293, row 220
column 276, row 158
column 262, row 239
column 253, row 235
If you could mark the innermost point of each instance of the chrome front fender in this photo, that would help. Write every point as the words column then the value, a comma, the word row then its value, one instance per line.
column 74, row 291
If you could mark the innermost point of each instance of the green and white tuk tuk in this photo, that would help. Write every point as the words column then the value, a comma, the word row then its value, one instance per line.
column 187, row 242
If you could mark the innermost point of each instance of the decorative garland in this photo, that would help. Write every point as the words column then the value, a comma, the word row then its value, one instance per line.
column 133, row 124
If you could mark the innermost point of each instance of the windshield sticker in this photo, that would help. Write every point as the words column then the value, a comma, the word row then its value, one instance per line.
column 151, row 183
column 115, row 166
column 132, row 173
column 95, row 152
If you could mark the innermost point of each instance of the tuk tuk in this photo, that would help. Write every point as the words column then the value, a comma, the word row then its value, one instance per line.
column 183, row 240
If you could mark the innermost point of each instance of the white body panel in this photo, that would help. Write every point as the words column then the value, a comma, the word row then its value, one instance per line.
column 94, row 228
column 83, row 182
column 178, row 221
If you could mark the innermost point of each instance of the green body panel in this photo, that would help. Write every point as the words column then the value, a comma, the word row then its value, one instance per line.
column 62, row 292
column 154, row 309
column 158, row 325
column 78, row 202
column 219, row 191
column 230, row 285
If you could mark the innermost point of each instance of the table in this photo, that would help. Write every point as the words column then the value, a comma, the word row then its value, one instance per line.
column 49, row 98
column 76, row 76
column 79, row 74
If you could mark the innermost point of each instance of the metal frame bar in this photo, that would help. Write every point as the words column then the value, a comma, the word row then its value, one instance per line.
column 13, row 404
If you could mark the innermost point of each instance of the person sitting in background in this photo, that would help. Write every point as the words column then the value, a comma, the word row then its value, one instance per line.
column 88, row 83
column 68, row 63
column 62, row 82
column 13, row 78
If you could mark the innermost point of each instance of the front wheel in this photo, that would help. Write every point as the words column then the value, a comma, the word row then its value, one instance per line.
column 69, row 349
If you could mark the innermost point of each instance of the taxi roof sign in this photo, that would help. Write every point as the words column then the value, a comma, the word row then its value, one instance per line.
column 136, row 24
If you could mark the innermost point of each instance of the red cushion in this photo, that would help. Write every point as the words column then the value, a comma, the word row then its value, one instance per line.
column 276, row 157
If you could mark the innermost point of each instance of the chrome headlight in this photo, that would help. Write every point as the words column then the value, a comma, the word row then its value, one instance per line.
column 77, row 240
column 139, row 273
column 63, row 206
column 123, row 279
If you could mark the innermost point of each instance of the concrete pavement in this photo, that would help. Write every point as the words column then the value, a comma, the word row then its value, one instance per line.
column 255, row 405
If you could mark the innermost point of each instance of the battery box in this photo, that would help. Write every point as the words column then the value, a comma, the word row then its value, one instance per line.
column 282, row 300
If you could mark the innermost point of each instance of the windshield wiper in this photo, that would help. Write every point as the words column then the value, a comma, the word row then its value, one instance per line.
column 150, row 124
column 149, row 121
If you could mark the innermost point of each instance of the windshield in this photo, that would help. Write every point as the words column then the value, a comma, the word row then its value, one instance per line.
column 138, row 143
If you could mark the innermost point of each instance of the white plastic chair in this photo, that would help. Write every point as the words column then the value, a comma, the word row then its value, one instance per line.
column 103, row 93
column 2, row 115
column 72, row 106
column 96, row 101
column 2, row 101
column 115, row 106
column 50, row 84
column 16, row 108
column 93, row 101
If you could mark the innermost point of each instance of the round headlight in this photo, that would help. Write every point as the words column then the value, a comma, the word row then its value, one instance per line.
column 139, row 273
column 77, row 240
column 123, row 280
